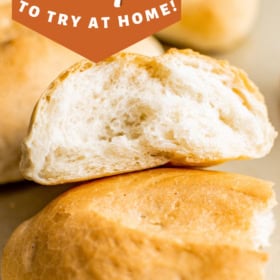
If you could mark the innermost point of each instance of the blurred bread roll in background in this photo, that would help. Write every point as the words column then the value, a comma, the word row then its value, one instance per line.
column 150, row 46
column 212, row 25
column 28, row 64
column 160, row 224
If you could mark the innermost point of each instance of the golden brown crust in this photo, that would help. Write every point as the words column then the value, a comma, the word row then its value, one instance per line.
column 158, row 224
column 105, row 250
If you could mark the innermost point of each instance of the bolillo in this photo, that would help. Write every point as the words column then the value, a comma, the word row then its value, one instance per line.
column 132, row 112
column 164, row 224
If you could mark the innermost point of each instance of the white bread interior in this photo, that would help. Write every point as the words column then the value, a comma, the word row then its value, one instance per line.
column 262, row 227
column 133, row 112
column 165, row 223
column 229, row 209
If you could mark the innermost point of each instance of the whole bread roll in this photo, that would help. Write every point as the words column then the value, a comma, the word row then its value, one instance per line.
column 133, row 112
column 212, row 25
column 28, row 64
column 157, row 224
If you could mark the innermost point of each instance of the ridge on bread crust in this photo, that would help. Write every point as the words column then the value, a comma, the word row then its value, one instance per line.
column 165, row 223
column 132, row 112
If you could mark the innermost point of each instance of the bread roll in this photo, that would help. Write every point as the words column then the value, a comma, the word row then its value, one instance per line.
column 28, row 63
column 157, row 224
column 212, row 25
column 133, row 112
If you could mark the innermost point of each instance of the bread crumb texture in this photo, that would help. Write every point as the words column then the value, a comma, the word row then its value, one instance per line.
column 133, row 112
column 164, row 223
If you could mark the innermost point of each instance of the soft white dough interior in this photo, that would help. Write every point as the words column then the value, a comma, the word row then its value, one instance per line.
column 128, row 115
column 262, row 228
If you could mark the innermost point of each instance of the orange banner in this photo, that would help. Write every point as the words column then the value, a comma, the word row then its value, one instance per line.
column 96, row 29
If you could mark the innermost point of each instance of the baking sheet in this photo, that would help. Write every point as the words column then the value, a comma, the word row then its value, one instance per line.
column 259, row 55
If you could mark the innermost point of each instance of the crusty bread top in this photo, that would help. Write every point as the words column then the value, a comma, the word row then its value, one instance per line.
column 133, row 112
column 175, row 221
column 180, row 204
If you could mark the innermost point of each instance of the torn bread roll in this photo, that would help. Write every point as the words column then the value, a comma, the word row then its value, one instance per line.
column 28, row 64
column 133, row 112
column 212, row 25
column 158, row 224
